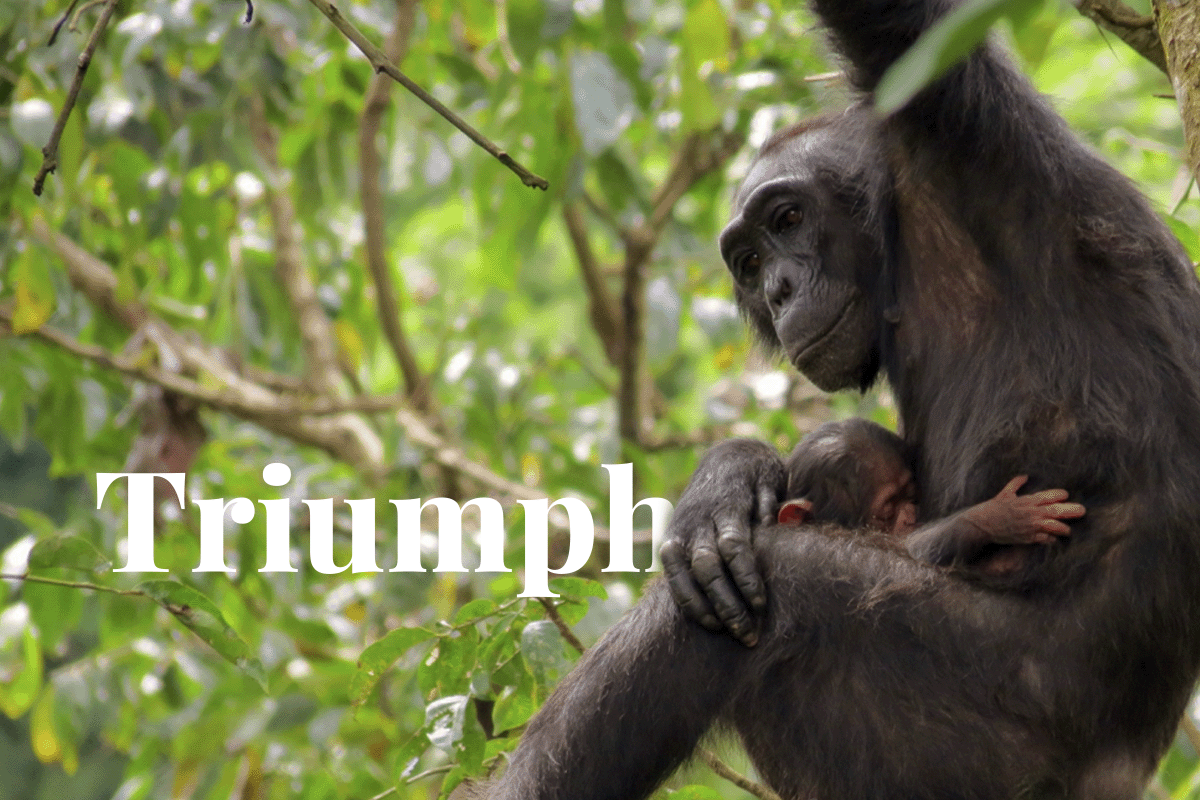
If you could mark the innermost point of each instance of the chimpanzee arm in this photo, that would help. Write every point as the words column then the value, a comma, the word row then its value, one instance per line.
column 874, row 677
column 630, row 712
column 1007, row 518
column 707, row 557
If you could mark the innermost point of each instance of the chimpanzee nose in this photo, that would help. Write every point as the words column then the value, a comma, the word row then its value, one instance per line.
column 778, row 289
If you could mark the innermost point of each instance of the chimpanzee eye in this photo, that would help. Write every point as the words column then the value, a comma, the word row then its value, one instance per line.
column 746, row 266
column 788, row 217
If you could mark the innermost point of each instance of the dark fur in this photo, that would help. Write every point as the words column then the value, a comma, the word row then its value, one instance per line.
column 1046, row 323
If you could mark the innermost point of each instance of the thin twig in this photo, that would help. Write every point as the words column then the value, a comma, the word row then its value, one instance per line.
column 602, row 307
column 1136, row 30
column 381, row 63
column 83, row 9
column 62, row 21
column 741, row 781
column 560, row 623
column 604, row 213
column 50, row 151
column 215, row 398
column 700, row 154
column 387, row 299
column 95, row 587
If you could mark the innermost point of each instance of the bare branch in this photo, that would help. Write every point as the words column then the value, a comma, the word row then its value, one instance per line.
column 50, row 151
column 1136, row 30
column 701, row 154
column 699, row 438
column 387, row 300
column 602, row 307
column 560, row 623
column 380, row 62
column 218, row 399
column 95, row 587
column 345, row 437
column 61, row 21
column 742, row 782
column 604, row 213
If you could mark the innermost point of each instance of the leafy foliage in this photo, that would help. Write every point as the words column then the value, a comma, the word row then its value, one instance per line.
column 197, row 280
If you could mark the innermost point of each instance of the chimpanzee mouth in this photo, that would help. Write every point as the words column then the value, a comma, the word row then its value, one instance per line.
column 807, row 352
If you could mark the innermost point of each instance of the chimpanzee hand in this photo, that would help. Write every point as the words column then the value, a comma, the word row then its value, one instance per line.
column 1011, row 518
column 707, row 556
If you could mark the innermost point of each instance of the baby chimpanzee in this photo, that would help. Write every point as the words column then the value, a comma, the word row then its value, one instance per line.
column 857, row 474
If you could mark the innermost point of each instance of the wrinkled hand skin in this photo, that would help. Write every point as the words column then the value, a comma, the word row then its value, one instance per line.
column 708, row 556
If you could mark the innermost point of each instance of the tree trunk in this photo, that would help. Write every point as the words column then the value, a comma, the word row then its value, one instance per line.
column 1179, row 28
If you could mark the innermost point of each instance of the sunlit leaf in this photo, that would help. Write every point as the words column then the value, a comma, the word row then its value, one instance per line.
column 942, row 45
column 201, row 616
column 379, row 656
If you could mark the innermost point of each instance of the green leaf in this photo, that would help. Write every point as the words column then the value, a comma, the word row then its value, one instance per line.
column 1186, row 234
column 941, row 46
column 202, row 617
column 515, row 705
column 66, row 552
column 578, row 588
column 695, row 793
column 526, row 19
column 55, row 610
column 21, row 681
column 378, row 657
column 476, row 608
column 34, row 293
column 37, row 523
column 444, row 720
column 706, row 47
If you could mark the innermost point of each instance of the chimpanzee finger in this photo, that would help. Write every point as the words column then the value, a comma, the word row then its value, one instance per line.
column 1016, row 483
column 709, row 570
column 1066, row 510
column 1053, row 526
column 738, row 556
column 684, row 589
column 1048, row 496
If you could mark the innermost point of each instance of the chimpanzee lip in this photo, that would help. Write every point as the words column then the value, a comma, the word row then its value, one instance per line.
column 804, row 352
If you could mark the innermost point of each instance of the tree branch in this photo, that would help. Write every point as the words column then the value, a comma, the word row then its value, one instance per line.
column 602, row 307
column 95, row 587
column 316, row 331
column 1137, row 31
column 387, row 299
column 1179, row 25
column 563, row 628
column 381, row 63
column 345, row 437
column 50, row 151
column 701, row 154
column 742, row 782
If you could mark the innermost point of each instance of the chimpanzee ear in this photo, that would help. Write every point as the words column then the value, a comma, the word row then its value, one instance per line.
column 795, row 512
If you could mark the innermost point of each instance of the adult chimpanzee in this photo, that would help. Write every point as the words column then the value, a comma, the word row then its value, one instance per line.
column 1034, row 317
